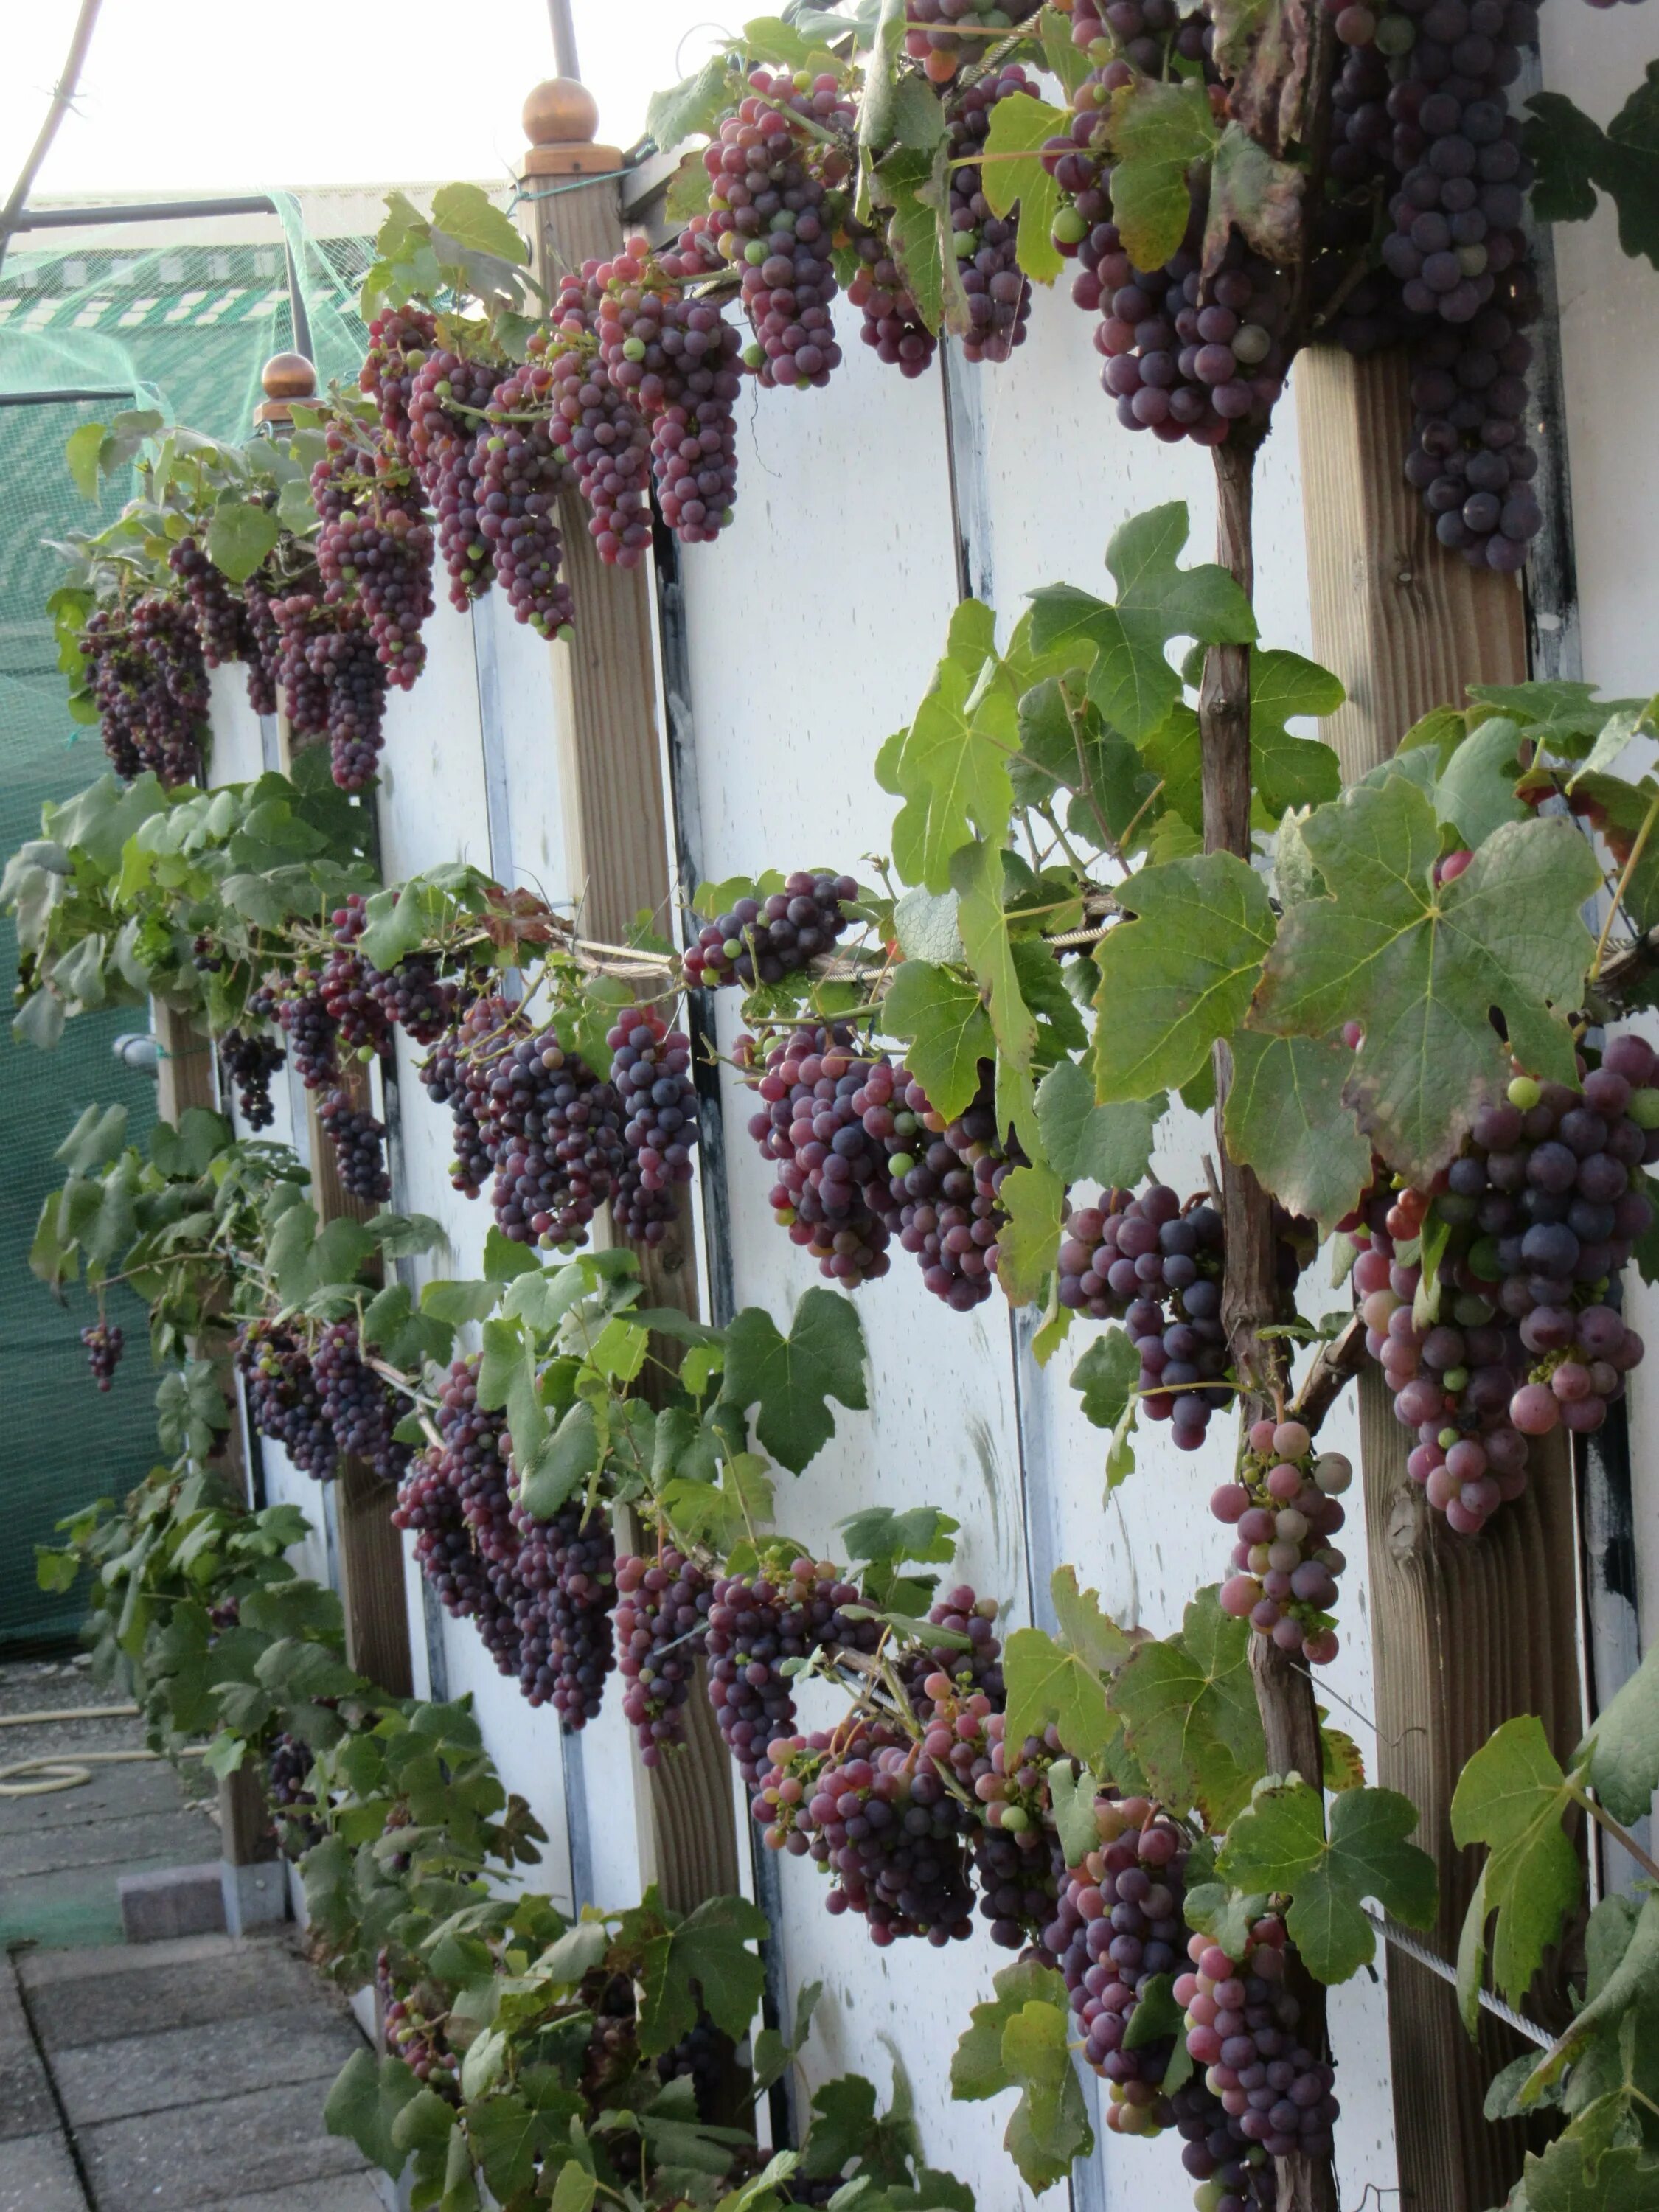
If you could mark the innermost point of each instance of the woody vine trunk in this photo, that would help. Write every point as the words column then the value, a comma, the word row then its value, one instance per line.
column 1251, row 1299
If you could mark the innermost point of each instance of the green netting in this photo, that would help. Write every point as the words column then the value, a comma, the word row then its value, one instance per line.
column 185, row 327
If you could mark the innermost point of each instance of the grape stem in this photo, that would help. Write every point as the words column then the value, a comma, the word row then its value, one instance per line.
column 1617, row 902
column 1600, row 1814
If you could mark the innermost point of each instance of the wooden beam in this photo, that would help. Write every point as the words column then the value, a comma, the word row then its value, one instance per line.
column 1466, row 1633
column 618, row 840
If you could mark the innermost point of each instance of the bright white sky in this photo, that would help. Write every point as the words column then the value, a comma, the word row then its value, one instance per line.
column 184, row 96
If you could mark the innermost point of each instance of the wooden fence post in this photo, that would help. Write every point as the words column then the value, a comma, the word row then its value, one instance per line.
column 610, row 766
column 1466, row 1633
column 255, row 1890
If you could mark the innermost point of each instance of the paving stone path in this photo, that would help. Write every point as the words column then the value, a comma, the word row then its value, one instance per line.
column 190, row 2073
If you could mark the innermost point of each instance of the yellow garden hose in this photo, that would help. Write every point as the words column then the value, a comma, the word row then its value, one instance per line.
column 53, row 1773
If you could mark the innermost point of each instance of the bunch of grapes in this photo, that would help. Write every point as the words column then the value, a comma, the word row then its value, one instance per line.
column 769, row 183
column 298, row 616
column 410, row 2031
column 448, row 397
column 944, row 35
column 1284, row 1504
column 114, row 676
column 675, row 358
column 1241, row 2029
column 1117, row 1926
column 521, row 473
column 832, row 1191
column 162, row 681
column 763, row 941
column 374, row 549
column 554, row 1130
column 651, row 1073
column 359, row 1407
column 399, row 340
column 662, row 1610
column 756, row 1623
column 358, row 1141
column 1016, row 1859
column 599, row 433
column 960, row 1613
column 1146, row 1262
column 456, row 1500
column 309, row 1027
column 413, row 998
column 564, row 1578
column 892, row 324
column 351, row 679
column 998, row 292
column 218, row 614
column 249, row 1061
column 944, row 1179
column 456, row 1074
column 105, row 1344
column 284, row 1402
column 262, row 647
column 705, row 2055
column 287, row 1769
column 1542, row 1210
column 346, row 987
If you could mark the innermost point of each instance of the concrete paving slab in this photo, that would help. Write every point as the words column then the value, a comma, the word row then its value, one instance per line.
column 211, row 2154
column 113, row 1793
column 38, row 2175
column 194, row 2065
column 75, row 1906
column 95, row 1997
column 354, row 2193
column 178, row 1838
column 26, row 2100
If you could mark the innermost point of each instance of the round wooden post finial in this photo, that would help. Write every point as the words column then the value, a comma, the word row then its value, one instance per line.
column 560, row 119
column 286, row 377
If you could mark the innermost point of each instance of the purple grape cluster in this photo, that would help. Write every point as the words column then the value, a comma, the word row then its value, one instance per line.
column 448, row 397
column 284, row 1402
column 411, row 2034
column 762, row 940
column 1285, row 1503
column 1542, row 1210
column 946, row 35
column 358, row 1141
column 248, row 1060
column 965, row 1672
column 651, row 1073
column 456, row 1074
column 662, row 1612
column 757, row 1622
column 892, row 324
column 304, row 690
column 1015, row 1854
column 832, row 1192
column 219, row 619
column 1117, row 1926
column 563, row 1589
column 873, row 1812
column 104, row 1343
column 263, row 645
column 346, row 985
column 768, row 182
column 399, row 340
column 374, row 548
column 149, row 683
column 553, row 1130
column 944, row 1179
column 309, row 1027
column 998, row 291
column 1146, row 1261
column 351, row 675
column 600, row 434
column 521, row 475
column 359, row 1407
column 1241, row 2029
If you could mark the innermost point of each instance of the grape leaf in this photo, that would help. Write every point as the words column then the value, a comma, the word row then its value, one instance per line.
column 1623, row 1746
column 1511, row 1796
column 1111, row 1145
column 690, row 108
column 1073, row 1792
column 792, row 1378
column 1256, row 194
column 703, row 1959
column 239, row 535
column 1278, row 1842
column 950, row 766
column 1045, row 1682
column 1420, row 967
column 1620, row 1979
column 944, row 1018
column 1626, row 2178
column 1158, row 131
column 1109, row 1375
column 1565, row 146
column 466, row 214
column 1290, row 771
column 1181, row 974
column 1476, row 790
column 976, row 875
column 880, row 1535
column 365, row 2099
column 1019, row 2041
column 1286, row 1117
column 1032, row 1198
column 1022, row 127
column 926, row 927
column 1123, row 647
column 914, row 183
column 1628, row 168
column 1188, row 1706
